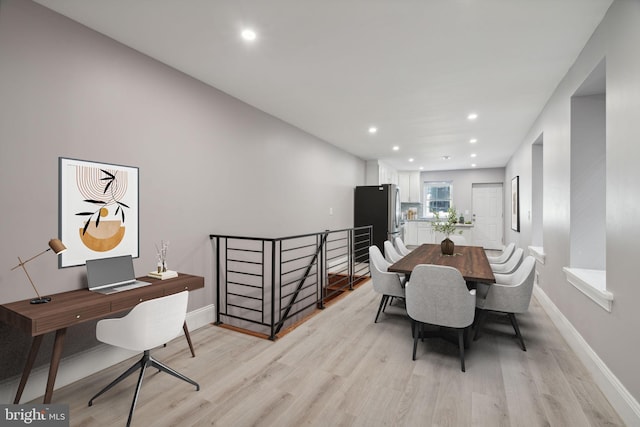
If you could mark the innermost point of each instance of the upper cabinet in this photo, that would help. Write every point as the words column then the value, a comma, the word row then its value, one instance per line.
column 410, row 187
column 378, row 173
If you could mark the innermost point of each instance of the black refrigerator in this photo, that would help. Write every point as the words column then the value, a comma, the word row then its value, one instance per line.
column 379, row 206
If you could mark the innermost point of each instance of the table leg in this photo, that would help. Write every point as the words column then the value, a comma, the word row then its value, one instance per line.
column 56, row 355
column 188, row 336
column 33, row 352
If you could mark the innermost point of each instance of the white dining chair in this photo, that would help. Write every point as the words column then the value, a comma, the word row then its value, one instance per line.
column 438, row 295
column 504, row 256
column 510, row 294
column 512, row 263
column 390, row 252
column 388, row 284
column 400, row 246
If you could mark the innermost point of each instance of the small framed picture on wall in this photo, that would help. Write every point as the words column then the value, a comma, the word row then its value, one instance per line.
column 515, row 203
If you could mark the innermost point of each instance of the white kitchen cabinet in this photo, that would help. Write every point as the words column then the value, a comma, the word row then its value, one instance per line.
column 377, row 173
column 410, row 187
column 419, row 232
column 425, row 232
column 467, row 233
column 411, row 233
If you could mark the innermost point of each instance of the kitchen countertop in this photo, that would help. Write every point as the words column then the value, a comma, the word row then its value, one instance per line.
column 430, row 220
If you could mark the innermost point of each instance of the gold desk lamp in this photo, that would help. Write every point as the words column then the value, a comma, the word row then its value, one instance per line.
column 57, row 247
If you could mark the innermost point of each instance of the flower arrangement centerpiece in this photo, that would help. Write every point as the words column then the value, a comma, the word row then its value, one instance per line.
column 447, row 226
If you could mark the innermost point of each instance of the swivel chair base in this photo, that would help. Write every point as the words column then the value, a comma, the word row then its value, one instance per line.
column 142, row 364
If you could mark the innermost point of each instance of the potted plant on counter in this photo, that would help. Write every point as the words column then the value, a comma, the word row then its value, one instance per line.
column 446, row 226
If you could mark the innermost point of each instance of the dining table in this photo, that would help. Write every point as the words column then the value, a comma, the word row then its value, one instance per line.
column 471, row 261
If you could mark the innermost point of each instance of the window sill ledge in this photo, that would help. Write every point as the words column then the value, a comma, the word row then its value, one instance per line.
column 592, row 283
column 538, row 253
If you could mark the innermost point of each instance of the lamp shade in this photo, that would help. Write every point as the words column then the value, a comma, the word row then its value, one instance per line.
column 57, row 246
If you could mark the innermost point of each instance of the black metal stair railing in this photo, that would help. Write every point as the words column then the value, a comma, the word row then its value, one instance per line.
column 264, row 285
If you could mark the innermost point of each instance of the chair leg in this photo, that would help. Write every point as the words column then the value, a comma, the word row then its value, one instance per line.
column 415, row 340
column 467, row 337
column 138, row 386
column 380, row 308
column 482, row 315
column 161, row 366
column 142, row 364
column 387, row 302
column 514, row 323
column 124, row 375
column 461, row 346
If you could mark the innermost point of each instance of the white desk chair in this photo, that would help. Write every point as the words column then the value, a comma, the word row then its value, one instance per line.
column 149, row 324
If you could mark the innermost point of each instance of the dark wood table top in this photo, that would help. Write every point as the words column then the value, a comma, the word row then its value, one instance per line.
column 471, row 261
column 74, row 307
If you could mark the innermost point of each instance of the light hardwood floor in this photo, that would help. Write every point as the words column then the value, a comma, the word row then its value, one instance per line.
column 341, row 369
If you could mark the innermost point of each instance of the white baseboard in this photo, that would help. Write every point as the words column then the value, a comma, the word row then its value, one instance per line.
column 85, row 363
column 622, row 401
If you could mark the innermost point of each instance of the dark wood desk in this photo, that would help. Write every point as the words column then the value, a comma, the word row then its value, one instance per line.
column 471, row 261
column 74, row 307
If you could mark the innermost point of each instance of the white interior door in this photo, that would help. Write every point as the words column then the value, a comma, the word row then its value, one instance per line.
column 488, row 215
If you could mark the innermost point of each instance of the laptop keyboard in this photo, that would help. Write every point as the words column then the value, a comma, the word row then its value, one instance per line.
column 137, row 284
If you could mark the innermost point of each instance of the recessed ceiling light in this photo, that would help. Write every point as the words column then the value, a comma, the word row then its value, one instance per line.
column 473, row 165
column 472, row 116
column 421, row 167
column 373, row 129
column 473, row 154
column 473, row 140
column 396, row 148
column 446, row 157
column 248, row 34
column 411, row 159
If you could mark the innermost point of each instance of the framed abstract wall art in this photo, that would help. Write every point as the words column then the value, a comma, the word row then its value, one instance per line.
column 98, row 210
column 515, row 203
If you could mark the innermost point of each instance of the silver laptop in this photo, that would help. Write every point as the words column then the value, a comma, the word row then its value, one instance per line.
column 110, row 275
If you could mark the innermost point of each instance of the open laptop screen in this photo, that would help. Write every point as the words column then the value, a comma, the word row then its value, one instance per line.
column 106, row 272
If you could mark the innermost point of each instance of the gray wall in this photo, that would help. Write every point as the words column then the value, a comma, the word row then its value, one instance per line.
column 208, row 162
column 613, row 336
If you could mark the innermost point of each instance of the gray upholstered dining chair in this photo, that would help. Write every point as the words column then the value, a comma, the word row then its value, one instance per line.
column 438, row 295
column 510, row 294
column 386, row 283
column 510, row 266
column 390, row 252
column 504, row 256
column 400, row 246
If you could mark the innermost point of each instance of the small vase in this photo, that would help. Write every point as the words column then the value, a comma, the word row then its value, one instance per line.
column 447, row 246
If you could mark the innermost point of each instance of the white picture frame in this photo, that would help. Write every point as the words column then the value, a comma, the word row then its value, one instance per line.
column 98, row 210
column 515, row 203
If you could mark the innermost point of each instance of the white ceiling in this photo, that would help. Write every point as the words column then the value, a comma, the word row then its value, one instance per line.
column 413, row 68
